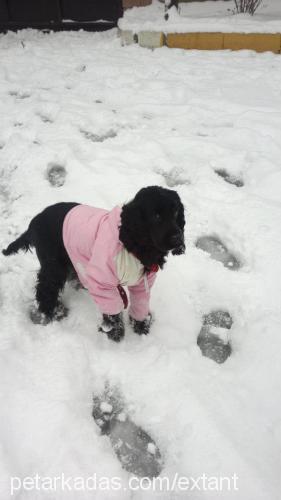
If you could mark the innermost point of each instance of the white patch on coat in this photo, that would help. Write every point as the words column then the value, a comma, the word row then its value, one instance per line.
column 129, row 269
column 82, row 274
column 80, row 269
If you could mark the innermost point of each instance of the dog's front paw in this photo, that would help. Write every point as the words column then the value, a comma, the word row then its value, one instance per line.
column 113, row 326
column 141, row 327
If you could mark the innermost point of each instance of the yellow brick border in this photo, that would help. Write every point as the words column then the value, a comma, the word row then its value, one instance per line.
column 253, row 41
column 260, row 42
column 199, row 41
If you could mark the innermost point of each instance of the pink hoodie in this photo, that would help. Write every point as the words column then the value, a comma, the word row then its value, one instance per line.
column 103, row 265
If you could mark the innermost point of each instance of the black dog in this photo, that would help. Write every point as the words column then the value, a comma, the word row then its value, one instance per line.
column 143, row 231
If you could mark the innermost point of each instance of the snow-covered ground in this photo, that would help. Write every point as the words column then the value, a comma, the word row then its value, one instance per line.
column 208, row 16
column 166, row 117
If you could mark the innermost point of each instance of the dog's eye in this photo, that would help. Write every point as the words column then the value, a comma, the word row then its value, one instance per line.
column 157, row 217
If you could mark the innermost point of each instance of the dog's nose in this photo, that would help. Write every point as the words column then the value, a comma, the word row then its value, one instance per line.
column 176, row 240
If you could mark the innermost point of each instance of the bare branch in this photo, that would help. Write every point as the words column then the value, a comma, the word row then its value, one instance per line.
column 247, row 6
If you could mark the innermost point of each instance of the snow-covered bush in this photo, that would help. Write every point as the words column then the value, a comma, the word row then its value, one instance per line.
column 249, row 6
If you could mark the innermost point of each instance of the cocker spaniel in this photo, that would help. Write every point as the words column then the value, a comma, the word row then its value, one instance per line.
column 106, row 251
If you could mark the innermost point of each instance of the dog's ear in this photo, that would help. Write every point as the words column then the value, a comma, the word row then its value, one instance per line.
column 133, row 227
column 131, row 216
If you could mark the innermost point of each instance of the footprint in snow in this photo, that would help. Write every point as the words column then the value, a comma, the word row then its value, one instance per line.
column 98, row 137
column 56, row 174
column 231, row 179
column 45, row 118
column 174, row 177
column 218, row 251
column 19, row 95
column 134, row 448
column 81, row 68
column 213, row 338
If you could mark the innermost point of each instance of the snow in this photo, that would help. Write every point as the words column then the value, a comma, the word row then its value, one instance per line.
column 105, row 407
column 222, row 333
column 207, row 16
column 151, row 448
column 178, row 117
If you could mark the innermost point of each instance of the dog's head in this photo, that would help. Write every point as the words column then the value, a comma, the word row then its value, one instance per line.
column 153, row 220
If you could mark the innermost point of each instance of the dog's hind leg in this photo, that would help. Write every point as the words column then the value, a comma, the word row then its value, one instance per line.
column 51, row 279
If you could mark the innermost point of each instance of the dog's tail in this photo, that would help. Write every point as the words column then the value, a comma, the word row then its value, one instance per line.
column 21, row 243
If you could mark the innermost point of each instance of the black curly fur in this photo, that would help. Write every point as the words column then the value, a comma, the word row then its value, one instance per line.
column 138, row 225
column 21, row 243
column 45, row 235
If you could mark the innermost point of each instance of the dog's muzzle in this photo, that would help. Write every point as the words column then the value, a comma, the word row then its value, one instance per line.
column 177, row 244
column 179, row 250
